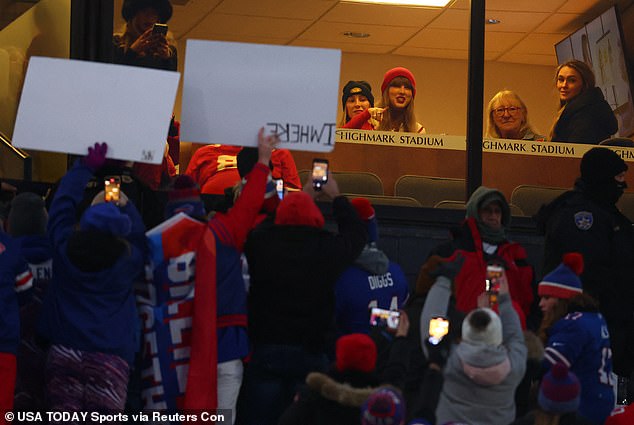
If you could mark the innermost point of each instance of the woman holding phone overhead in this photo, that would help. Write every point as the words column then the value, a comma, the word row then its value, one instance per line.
column 584, row 115
column 396, row 110
column 144, row 40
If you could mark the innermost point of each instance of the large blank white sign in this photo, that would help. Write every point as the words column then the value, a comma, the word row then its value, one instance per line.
column 231, row 90
column 68, row 105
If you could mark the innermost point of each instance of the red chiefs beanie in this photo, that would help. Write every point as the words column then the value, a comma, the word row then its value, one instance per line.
column 398, row 72
column 355, row 352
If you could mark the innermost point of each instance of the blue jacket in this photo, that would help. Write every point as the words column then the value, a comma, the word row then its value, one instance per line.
column 373, row 281
column 90, row 311
column 14, row 277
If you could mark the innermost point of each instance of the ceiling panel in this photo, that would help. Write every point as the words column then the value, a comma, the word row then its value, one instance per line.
column 451, row 19
column 516, row 21
column 501, row 41
column 291, row 9
column 333, row 32
column 376, row 14
column 527, row 32
column 432, row 53
column 525, row 5
column 249, row 26
column 548, row 60
column 537, row 44
column 560, row 23
column 346, row 47
column 440, row 39
column 583, row 6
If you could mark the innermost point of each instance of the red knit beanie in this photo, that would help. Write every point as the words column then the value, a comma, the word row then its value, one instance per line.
column 398, row 72
column 299, row 209
column 366, row 213
column 355, row 352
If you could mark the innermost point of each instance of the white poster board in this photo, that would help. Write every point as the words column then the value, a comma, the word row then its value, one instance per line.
column 68, row 105
column 231, row 90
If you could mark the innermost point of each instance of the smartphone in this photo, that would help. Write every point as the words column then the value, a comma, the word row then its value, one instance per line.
column 112, row 189
column 279, row 187
column 320, row 173
column 159, row 29
column 383, row 317
column 438, row 328
column 492, row 282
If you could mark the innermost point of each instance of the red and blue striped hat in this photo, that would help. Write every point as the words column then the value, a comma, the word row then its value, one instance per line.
column 563, row 282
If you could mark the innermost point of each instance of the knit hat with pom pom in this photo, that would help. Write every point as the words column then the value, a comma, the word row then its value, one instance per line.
column 559, row 391
column 563, row 282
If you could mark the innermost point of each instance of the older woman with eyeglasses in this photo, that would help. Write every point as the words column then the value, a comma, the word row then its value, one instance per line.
column 508, row 118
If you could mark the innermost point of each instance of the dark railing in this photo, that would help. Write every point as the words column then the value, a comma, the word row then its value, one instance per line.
column 14, row 162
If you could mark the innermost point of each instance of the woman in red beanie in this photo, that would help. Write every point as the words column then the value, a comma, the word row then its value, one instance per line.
column 396, row 108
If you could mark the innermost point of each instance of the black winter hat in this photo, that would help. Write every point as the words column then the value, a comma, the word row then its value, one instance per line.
column 246, row 159
column 357, row 87
column 600, row 165
column 27, row 215
column 132, row 7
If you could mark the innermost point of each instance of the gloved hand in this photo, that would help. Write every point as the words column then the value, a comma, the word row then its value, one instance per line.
column 438, row 353
column 96, row 157
column 450, row 268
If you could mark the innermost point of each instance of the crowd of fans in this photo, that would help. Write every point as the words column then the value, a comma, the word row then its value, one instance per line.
column 158, row 300
column 261, row 310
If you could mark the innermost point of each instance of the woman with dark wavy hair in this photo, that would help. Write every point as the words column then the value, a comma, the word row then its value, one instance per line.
column 140, row 44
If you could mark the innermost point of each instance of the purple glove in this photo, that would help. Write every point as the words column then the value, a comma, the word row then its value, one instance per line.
column 96, row 156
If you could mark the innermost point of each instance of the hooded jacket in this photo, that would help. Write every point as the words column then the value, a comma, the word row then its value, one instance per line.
column 480, row 379
column 587, row 118
column 90, row 311
column 294, row 265
column 468, row 239
column 373, row 281
column 330, row 400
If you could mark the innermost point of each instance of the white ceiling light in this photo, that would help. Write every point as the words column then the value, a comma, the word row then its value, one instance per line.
column 428, row 3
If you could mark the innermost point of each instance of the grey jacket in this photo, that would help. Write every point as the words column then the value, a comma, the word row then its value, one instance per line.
column 486, row 395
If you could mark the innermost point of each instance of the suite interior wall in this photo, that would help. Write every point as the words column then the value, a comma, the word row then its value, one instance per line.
column 441, row 84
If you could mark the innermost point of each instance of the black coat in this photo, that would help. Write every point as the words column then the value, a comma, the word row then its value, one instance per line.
column 604, row 236
column 293, row 272
column 587, row 118
column 334, row 399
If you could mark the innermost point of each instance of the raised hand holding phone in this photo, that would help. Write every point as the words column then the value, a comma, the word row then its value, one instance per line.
column 319, row 173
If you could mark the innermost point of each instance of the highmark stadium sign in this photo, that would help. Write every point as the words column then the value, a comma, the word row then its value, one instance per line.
column 443, row 141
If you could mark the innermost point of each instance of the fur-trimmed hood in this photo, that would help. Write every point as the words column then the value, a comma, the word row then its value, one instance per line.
column 341, row 393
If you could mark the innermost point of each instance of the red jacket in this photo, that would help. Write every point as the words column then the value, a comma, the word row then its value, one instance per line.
column 470, row 282
column 215, row 168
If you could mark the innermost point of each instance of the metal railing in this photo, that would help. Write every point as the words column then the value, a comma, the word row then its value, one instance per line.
column 14, row 162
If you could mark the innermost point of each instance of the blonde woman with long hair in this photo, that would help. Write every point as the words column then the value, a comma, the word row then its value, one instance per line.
column 508, row 118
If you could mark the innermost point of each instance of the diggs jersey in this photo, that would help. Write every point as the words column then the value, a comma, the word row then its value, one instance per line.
column 166, row 307
column 581, row 341
column 357, row 291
